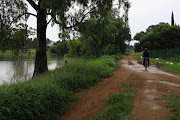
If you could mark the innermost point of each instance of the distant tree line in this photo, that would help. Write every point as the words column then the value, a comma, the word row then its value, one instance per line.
column 17, row 38
column 161, row 36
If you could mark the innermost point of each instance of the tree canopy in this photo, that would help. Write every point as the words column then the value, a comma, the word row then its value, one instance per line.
column 98, row 37
column 161, row 36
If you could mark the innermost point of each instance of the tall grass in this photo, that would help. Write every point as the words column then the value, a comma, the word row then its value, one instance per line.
column 50, row 95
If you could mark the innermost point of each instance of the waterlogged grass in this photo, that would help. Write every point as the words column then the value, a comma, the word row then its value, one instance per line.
column 48, row 96
column 118, row 108
column 174, row 104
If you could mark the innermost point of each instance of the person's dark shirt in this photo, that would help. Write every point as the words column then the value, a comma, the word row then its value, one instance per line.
column 146, row 54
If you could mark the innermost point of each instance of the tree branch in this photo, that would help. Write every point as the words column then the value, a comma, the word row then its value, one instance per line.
column 94, row 39
column 23, row 15
column 33, row 4
column 49, row 21
column 78, row 23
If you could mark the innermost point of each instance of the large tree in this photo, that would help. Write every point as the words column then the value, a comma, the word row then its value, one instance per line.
column 62, row 12
column 104, row 33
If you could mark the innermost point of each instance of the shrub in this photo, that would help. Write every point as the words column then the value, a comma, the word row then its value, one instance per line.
column 49, row 95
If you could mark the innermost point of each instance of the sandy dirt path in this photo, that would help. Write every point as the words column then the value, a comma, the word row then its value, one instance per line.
column 151, row 87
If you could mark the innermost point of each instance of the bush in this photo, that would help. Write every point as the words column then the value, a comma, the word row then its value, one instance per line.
column 32, row 102
column 49, row 95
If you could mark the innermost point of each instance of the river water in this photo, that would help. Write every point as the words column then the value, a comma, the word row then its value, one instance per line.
column 12, row 71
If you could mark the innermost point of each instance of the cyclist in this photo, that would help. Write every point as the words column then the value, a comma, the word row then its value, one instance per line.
column 146, row 54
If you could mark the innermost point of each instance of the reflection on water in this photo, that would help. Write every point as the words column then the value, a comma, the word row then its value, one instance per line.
column 20, row 70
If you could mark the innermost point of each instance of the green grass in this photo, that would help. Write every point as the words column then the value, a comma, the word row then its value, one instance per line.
column 175, row 67
column 50, row 95
column 174, row 104
column 162, row 64
column 118, row 108
column 128, row 90
column 136, row 54
column 125, row 84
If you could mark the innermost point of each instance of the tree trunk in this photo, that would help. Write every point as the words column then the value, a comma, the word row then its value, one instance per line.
column 97, row 51
column 41, row 58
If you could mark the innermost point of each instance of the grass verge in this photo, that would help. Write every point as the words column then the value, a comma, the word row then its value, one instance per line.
column 174, row 104
column 48, row 96
column 118, row 107
column 166, row 65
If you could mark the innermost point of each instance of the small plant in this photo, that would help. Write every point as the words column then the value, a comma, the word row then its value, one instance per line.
column 118, row 107
column 128, row 90
column 126, row 84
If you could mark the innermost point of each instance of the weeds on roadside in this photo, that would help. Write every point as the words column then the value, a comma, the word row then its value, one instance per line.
column 118, row 108
column 128, row 90
column 125, row 84
column 174, row 104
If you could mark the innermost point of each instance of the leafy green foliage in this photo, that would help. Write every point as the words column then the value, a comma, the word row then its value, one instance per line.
column 161, row 36
column 61, row 48
column 105, row 36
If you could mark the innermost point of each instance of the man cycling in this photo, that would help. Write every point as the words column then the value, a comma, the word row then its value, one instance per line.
column 146, row 54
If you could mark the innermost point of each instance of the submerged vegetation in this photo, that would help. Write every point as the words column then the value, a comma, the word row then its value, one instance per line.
column 50, row 95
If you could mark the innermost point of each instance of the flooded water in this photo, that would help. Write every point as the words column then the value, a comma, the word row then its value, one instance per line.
column 171, row 84
column 21, row 70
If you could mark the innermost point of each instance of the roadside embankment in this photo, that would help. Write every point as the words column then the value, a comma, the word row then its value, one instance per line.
column 50, row 95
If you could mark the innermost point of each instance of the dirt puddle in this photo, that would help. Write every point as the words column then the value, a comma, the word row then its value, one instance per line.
column 168, row 83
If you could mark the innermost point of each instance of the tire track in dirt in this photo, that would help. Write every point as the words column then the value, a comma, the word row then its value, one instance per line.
column 149, row 103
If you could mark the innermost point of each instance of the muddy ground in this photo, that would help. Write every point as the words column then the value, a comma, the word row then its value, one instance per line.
column 151, row 87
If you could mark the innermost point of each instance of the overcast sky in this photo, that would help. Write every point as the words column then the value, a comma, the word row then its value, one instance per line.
column 142, row 14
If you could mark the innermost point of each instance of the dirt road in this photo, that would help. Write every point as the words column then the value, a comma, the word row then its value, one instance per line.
column 150, row 86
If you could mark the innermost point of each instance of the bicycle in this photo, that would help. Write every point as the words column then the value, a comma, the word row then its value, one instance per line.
column 146, row 63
